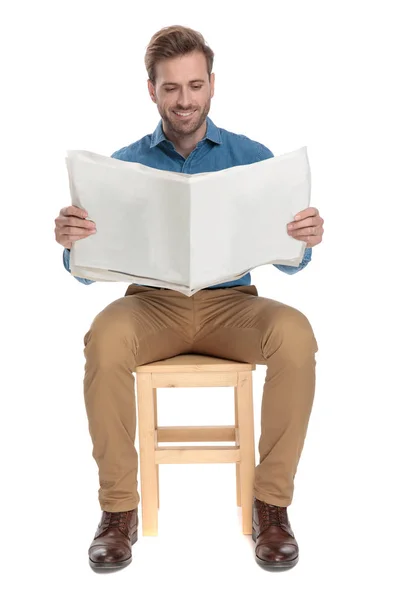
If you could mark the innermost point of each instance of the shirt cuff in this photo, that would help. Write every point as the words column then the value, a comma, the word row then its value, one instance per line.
column 292, row 270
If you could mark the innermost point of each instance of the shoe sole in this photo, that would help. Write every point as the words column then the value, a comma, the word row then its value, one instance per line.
column 113, row 566
column 274, row 566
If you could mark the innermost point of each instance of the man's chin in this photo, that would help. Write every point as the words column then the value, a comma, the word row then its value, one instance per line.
column 185, row 126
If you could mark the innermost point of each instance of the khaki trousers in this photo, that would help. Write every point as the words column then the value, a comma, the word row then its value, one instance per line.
column 150, row 324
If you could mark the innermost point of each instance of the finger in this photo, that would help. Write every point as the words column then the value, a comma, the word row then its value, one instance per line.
column 77, row 231
column 310, row 221
column 73, row 211
column 304, row 231
column 74, row 222
column 308, row 212
column 84, row 223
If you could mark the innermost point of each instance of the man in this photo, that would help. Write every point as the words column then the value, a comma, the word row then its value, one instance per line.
column 229, row 320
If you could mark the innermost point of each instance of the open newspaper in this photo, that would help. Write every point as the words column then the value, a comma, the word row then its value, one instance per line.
column 181, row 231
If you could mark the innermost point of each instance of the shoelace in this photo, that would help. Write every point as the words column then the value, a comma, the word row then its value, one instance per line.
column 117, row 519
column 271, row 514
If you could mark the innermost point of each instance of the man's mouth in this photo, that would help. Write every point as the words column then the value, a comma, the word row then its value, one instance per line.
column 184, row 115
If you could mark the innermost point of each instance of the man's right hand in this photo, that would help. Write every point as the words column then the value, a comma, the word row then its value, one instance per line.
column 71, row 226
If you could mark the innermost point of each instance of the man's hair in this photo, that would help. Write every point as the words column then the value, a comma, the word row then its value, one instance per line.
column 172, row 41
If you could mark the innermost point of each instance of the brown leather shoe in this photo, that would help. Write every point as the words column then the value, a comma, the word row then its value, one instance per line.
column 111, row 546
column 276, row 546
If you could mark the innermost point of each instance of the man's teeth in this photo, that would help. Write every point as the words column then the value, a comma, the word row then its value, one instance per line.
column 184, row 114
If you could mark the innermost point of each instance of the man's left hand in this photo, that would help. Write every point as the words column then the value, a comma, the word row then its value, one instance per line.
column 307, row 227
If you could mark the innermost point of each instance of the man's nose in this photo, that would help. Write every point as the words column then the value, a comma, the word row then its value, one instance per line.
column 184, row 98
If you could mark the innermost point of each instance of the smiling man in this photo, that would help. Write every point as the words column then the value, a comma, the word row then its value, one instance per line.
column 229, row 320
column 183, row 100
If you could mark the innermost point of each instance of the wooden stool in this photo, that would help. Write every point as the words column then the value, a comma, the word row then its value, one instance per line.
column 195, row 370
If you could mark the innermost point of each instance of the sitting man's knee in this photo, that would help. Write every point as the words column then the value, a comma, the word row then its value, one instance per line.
column 292, row 335
column 109, row 339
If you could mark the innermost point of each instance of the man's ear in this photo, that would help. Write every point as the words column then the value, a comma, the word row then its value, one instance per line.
column 212, row 82
column 152, row 91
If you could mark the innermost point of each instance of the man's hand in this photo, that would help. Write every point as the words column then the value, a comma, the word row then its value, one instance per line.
column 307, row 227
column 71, row 226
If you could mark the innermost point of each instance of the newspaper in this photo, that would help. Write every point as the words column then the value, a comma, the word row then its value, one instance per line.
column 181, row 231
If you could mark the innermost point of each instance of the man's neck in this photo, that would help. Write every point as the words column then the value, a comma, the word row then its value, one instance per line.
column 186, row 144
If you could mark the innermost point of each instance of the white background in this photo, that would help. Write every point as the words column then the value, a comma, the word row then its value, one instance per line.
column 288, row 74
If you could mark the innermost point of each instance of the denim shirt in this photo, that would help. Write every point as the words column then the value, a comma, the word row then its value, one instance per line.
column 219, row 149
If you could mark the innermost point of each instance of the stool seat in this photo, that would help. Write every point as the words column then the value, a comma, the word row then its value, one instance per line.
column 190, row 362
column 195, row 370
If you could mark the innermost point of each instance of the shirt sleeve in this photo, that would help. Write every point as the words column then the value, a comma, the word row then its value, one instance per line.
column 121, row 154
column 292, row 270
column 263, row 152
column 66, row 254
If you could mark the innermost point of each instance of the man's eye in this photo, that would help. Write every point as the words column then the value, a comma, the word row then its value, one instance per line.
column 195, row 87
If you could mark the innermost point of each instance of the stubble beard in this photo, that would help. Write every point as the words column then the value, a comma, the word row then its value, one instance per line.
column 185, row 129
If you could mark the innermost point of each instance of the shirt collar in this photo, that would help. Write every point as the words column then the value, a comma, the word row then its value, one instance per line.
column 212, row 133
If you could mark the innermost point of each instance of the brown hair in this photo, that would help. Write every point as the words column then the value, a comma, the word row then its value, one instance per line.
column 172, row 41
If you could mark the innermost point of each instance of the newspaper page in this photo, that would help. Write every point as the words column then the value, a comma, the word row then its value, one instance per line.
column 182, row 231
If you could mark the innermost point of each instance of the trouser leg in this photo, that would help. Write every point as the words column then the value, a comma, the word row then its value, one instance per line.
column 142, row 327
column 238, row 324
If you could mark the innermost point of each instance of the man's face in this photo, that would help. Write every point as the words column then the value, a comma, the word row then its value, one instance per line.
column 182, row 86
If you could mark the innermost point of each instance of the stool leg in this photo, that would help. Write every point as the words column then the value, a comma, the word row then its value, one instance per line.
column 238, row 499
column 247, row 451
column 148, row 470
column 155, row 427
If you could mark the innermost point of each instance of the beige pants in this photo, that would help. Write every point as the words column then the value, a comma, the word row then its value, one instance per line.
column 147, row 325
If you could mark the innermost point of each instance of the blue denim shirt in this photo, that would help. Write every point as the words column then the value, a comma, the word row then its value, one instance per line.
column 219, row 149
